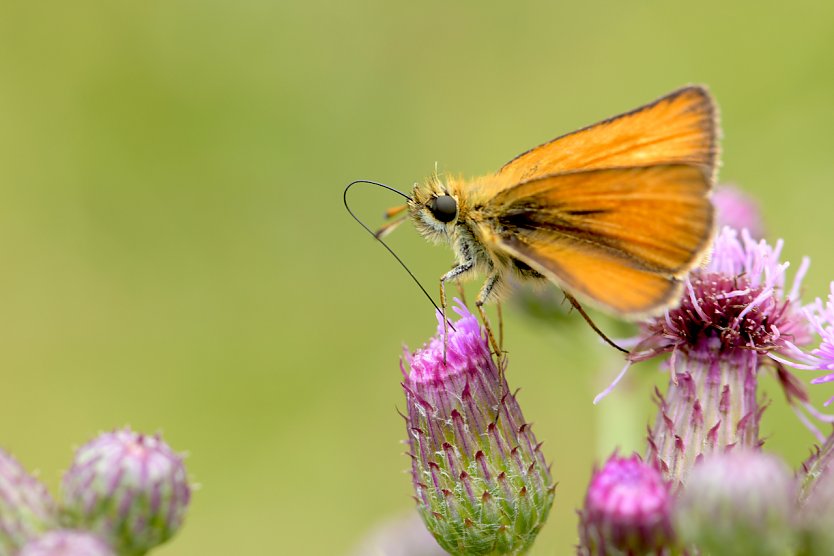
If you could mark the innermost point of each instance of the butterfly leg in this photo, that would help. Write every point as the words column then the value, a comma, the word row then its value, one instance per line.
column 486, row 290
column 500, row 326
column 591, row 323
column 453, row 274
column 461, row 292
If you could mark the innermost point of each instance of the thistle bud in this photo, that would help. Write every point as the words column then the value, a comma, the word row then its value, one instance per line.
column 816, row 501
column 482, row 484
column 130, row 488
column 627, row 510
column 67, row 543
column 738, row 503
column 737, row 209
column 399, row 536
column 26, row 508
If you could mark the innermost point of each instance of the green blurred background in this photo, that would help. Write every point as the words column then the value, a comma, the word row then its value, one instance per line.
column 175, row 254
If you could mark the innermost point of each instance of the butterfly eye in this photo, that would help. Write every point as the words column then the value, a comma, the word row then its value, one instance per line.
column 444, row 208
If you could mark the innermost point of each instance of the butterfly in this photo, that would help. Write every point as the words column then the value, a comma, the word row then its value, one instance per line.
column 615, row 214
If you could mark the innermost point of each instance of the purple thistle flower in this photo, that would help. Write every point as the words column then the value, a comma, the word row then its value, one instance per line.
column 481, row 482
column 128, row 487
column 627, row 510
column 735, row 318
column 734, row 307
column 26, row 508
column 738, row 503
column 67, row 543
column 737, row 209
column 822, row 318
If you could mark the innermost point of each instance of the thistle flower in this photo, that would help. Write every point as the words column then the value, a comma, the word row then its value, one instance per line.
column 128, row 487
column 738, row 503
column 26, row 508
column 482, row 484
column 67, row 543
column 627, row 510
column 737, row 209
column 735, row 318
column 822, row 318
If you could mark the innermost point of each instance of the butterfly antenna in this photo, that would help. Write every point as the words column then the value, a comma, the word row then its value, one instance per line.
column 379, row 238
column 591, row 323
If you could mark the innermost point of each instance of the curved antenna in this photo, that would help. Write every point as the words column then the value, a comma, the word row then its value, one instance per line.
column 376, row 237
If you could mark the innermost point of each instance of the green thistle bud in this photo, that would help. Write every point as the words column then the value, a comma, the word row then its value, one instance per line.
column 816, row 502
column 738, row 503
column 129, row 488
column 482, row 484
column 26, row 508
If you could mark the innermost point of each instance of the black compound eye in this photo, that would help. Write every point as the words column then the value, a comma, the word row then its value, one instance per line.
column 444, row 208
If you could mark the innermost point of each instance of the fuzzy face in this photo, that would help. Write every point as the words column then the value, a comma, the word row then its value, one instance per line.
column 434, row 209
column 446, row 211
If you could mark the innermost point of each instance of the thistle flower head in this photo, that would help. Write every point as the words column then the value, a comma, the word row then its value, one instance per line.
column 737, row 209
column 735, row 306
column 67, row 543
column 26, row 508
column 737, row 315
column 627, row 510
column 128, row 487
column 738, row 503
column 481, row 482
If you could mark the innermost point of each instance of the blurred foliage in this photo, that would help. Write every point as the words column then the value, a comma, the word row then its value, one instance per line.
column 176, row 255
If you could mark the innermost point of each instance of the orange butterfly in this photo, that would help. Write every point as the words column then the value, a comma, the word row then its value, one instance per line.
column 615, row 214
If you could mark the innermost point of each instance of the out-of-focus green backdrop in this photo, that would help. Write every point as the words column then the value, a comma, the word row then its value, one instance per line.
column 174, row 253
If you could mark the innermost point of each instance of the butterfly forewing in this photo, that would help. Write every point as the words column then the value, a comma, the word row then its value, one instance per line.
column 679, row 128
column 617, row 237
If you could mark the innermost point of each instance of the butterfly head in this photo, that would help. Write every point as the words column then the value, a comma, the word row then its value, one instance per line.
column 434, row 208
